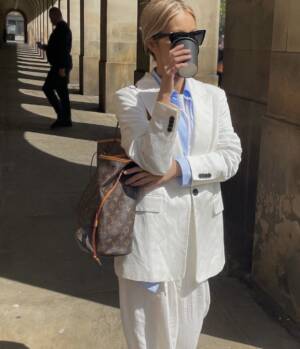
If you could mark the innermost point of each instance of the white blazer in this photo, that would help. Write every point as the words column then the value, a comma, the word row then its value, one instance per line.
column 166, row 215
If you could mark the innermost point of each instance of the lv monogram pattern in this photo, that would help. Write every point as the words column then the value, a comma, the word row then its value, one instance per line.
column 114, row 232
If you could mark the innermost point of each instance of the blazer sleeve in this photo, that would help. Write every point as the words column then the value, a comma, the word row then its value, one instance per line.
column 222, row 163
column 149, row 143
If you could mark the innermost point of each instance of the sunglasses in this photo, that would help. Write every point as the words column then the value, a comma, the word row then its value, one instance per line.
column 197, row 35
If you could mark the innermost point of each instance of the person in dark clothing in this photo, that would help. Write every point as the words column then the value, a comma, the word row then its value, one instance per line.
column 58, row 53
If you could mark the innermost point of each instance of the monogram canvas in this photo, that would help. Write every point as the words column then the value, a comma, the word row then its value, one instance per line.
column 107, row 208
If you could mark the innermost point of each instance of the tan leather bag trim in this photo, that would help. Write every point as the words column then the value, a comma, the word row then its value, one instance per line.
column 109, row 140
column 115, row 158
column 96, row 220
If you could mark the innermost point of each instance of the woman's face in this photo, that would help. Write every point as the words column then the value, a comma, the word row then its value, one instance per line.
column 182, row 22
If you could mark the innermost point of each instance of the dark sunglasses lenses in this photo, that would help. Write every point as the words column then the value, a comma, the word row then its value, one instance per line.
column 198, row 36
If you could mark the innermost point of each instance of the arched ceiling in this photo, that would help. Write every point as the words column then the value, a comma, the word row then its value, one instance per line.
column 30, row 8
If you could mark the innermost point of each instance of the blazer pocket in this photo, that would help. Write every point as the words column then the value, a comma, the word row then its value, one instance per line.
column 149, row 204
column 218, row 206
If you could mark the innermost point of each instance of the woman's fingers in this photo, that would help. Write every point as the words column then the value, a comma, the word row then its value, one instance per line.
column 178, row 57
column 182, row 58
column 145, row 181
column 177, row 48
column 180, row 52
column 140, row 179
column 136, row 177
column 132, row 170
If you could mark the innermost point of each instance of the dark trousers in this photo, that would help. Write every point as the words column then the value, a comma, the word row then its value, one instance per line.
column 56, row 90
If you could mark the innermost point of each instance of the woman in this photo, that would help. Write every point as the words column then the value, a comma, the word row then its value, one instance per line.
column 179, row 133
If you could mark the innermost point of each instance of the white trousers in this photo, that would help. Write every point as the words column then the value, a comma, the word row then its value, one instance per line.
column 172, row 318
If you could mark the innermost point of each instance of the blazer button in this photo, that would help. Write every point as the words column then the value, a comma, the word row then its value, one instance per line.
column 204, row 175
column 170, row 128
column 195, row 192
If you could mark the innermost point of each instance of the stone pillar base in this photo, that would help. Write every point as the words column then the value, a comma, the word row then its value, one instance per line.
column 112, row 77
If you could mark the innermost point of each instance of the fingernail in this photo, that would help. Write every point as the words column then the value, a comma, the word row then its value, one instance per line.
column 125, row 172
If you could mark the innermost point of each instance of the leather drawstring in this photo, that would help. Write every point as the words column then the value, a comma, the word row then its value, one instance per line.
column 91, row 165
column 96, row 220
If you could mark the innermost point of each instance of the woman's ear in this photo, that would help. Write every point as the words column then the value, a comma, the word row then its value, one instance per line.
column 152, row 46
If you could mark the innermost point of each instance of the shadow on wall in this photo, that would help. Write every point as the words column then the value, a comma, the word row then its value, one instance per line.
column 12, row 345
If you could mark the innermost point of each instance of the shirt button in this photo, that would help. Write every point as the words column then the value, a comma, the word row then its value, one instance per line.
column 195, row 192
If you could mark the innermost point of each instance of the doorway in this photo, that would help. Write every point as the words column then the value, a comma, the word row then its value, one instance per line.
column 16, row 30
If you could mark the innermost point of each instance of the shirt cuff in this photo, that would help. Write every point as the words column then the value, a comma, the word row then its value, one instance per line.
column 186, row 177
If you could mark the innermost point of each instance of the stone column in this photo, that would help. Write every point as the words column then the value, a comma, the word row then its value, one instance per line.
column 44, row 23
column 45, row 20
column 50, row 26
column 75, row 26
column 37, row 24
column 65, row 7
column 118, row 52
column 40, row 24
column 248, row 41
column 276, row 258
column 90, row 53
column 142, row 58
column 31, row 28
column 2, row 26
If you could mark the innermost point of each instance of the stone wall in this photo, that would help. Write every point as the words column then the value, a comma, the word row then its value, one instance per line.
column 118, row 50
column 91, row 46
column 75, row 26
column 262, row 80
column 276, row 259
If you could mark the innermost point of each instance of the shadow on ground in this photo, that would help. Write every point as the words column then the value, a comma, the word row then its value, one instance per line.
column 41, row 191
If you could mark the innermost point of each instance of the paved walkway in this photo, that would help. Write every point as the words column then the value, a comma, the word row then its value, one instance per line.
column 51, row 295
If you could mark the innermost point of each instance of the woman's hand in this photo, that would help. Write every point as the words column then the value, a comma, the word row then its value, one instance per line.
column 177, row 58
column 141, row 178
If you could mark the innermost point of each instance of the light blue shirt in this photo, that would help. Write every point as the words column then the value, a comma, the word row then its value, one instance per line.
column 185, row 129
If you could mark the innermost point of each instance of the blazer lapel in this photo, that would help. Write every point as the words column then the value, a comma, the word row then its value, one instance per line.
column 203, row 127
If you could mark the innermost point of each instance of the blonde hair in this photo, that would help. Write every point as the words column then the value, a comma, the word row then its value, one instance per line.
column 157, row 14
